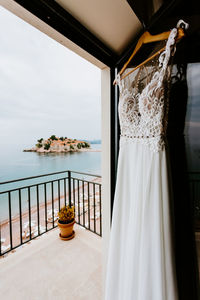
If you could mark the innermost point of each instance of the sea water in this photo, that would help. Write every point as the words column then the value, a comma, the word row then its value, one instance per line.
column 15, row 164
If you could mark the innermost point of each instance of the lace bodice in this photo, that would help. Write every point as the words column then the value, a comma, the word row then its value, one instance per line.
column 143, row 103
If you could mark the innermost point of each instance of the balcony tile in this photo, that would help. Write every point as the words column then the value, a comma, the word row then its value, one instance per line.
column 49, row 268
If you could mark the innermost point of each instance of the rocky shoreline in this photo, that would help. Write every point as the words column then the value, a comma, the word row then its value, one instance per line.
column 61, row 151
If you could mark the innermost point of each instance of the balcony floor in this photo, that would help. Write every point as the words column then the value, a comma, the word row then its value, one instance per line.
column 49, row 268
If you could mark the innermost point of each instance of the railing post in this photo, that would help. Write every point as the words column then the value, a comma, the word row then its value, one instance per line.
column 10, row 220
column 69, row 187
column 0, row 237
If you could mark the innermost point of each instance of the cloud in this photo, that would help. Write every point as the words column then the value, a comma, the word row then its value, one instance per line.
column 45, row 87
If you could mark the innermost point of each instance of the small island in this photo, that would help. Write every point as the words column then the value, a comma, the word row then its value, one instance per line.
column 59, row 144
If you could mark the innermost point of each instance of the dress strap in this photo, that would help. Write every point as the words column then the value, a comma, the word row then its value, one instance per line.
column 169, row 49
column 119, row 82
column 171, row 45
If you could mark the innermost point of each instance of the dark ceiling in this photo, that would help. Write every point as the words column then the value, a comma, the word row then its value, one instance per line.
column 154, row 19
column 165, row 18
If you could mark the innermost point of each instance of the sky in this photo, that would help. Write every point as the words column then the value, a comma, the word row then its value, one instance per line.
column 45, row 88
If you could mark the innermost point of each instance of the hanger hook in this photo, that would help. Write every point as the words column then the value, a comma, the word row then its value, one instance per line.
column 182, row 24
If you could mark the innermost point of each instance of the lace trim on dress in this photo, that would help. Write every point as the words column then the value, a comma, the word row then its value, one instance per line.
column 143, row 115
column 155, row 144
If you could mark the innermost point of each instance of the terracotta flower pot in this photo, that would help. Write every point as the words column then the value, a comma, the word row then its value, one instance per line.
column 66, row 230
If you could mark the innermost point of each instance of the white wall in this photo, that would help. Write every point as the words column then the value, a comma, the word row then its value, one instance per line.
column 105, row 129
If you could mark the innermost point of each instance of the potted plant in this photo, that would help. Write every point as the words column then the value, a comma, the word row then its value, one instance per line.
column 66, row 220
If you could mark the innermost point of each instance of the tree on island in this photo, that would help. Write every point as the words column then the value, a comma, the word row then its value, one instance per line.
column 47, row 146
column 53, row 138
column 62, row 138
column 87, row 145
column 71, row 147
column 40, row 140
column 39, row 145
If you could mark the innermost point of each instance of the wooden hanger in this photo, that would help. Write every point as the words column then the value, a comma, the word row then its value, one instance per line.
column 148, row 38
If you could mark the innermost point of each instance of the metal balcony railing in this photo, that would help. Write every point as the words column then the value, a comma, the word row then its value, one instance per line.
column 29, row 206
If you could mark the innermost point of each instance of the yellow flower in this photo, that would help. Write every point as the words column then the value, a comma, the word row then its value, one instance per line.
column 66, row 214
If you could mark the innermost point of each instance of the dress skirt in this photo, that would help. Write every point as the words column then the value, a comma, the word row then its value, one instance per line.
column 141, row 258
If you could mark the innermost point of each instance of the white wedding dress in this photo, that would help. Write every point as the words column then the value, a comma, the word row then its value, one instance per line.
column 141, row 257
